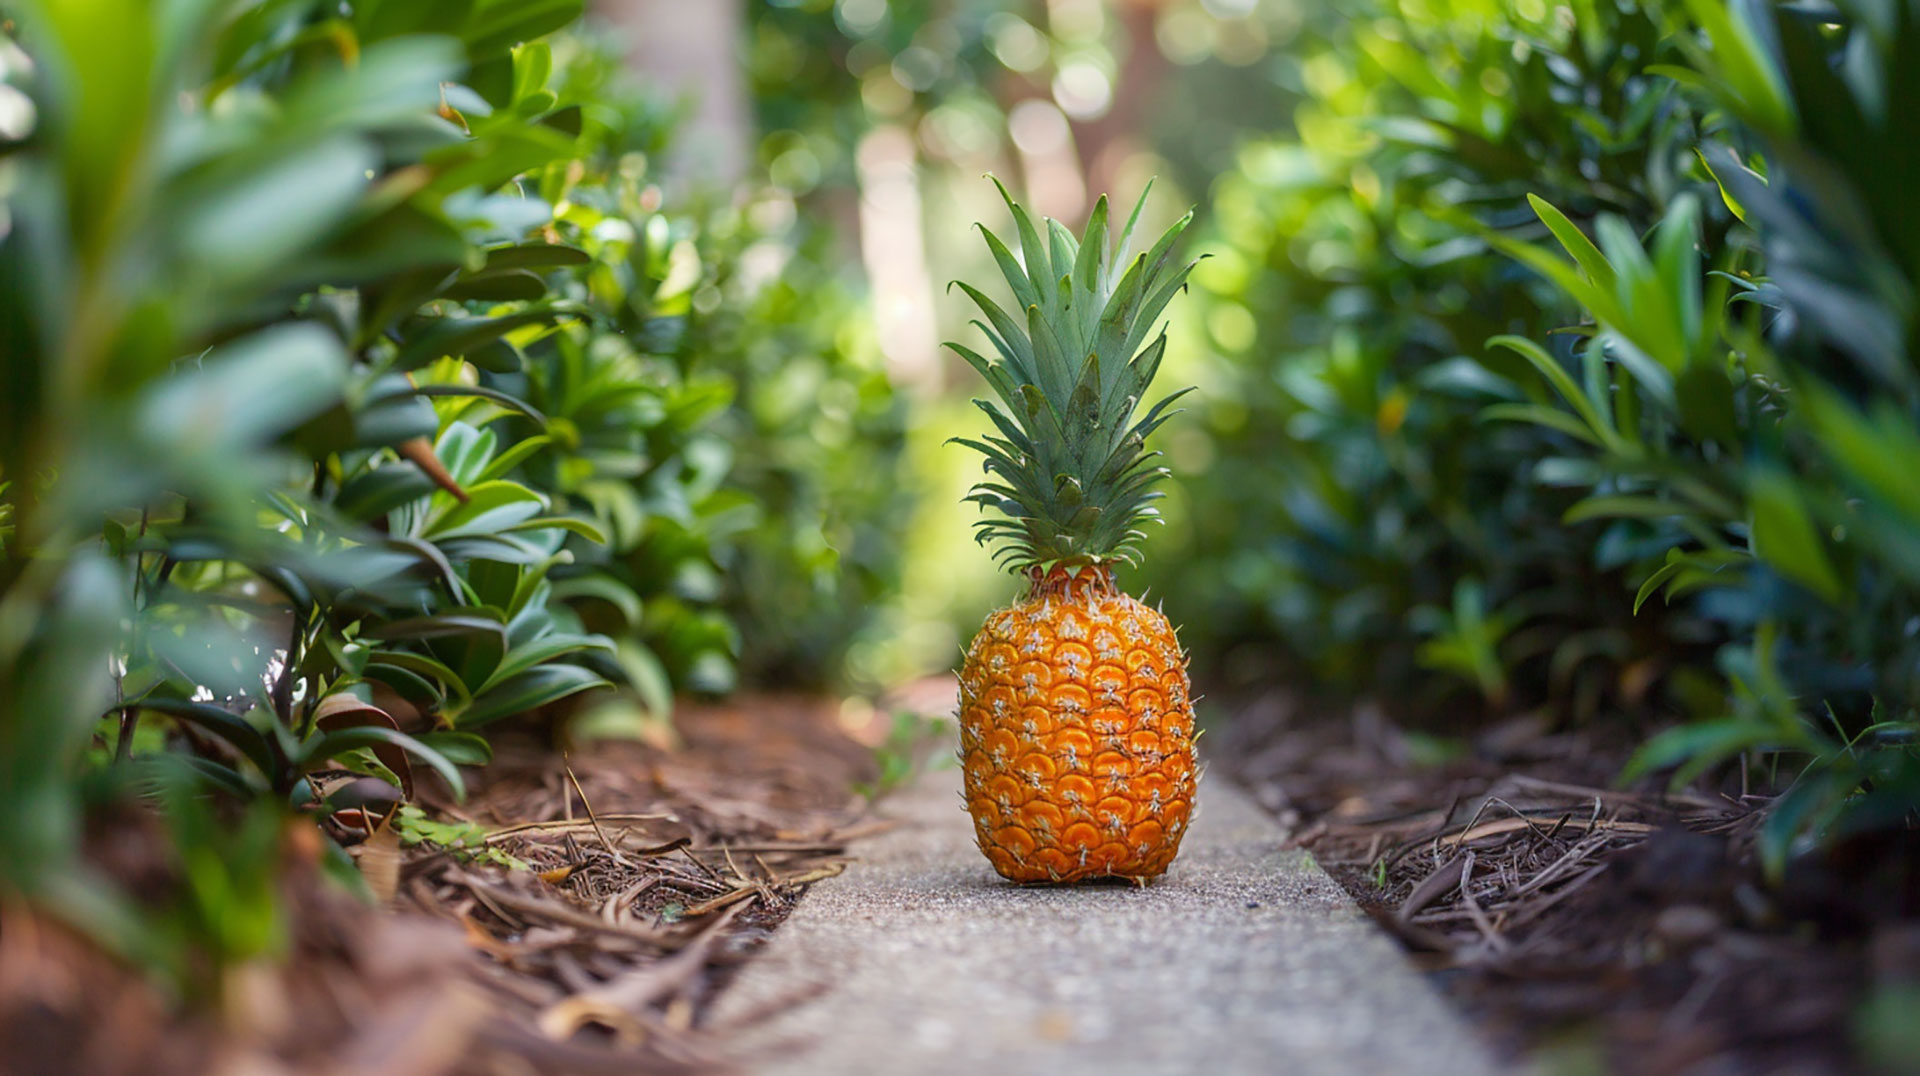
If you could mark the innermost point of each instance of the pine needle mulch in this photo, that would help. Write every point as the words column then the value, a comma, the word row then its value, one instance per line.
column 600, row 905
column 649, row 876
column 1586, row 927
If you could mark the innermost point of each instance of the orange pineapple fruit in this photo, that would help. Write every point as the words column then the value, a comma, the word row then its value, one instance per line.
column 1076, row 725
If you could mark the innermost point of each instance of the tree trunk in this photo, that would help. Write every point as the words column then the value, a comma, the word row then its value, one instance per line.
column 692, row 48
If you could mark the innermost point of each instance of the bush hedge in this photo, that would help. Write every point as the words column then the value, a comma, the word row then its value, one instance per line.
column 362, row 389
column 1573, row 365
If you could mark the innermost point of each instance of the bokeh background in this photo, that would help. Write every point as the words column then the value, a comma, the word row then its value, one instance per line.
column 1551, row 356
column 1340, row 521
column 873, row 125
column 373, row 372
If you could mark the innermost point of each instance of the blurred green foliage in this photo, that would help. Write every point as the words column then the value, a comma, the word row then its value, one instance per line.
column 277, row 274
column 824, row 72
column 1352, row 488
column 816, row 434
column 1568, row 356
column 1766, row 399
column 360, row 390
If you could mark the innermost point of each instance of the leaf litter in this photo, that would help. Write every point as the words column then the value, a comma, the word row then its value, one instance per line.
column 1589, row 927
column 647, row 878
column 575, row 915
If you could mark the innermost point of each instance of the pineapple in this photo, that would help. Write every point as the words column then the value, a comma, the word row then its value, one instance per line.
column 1076, row 729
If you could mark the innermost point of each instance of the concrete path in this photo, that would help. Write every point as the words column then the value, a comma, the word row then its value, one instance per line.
column 1244, row 959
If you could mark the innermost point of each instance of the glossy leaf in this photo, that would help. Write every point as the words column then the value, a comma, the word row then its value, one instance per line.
column 529, row 690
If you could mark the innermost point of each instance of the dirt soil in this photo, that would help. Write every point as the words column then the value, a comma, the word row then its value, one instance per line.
column 654, row 873
column 1591, row 928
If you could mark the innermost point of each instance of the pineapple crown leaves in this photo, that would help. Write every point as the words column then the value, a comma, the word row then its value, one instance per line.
column 1069, row 476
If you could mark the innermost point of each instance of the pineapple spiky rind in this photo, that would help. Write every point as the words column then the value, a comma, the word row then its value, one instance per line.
column 1076, row 734
column 1070, row 473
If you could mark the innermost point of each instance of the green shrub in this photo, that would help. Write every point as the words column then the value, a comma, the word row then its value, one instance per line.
column 816, row 433
column 349, row 404
column 1346, row 487
column 1569, row 359
column 1764, row 398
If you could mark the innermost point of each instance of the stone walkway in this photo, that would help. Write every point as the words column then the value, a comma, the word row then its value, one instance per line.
column 1245, row 958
